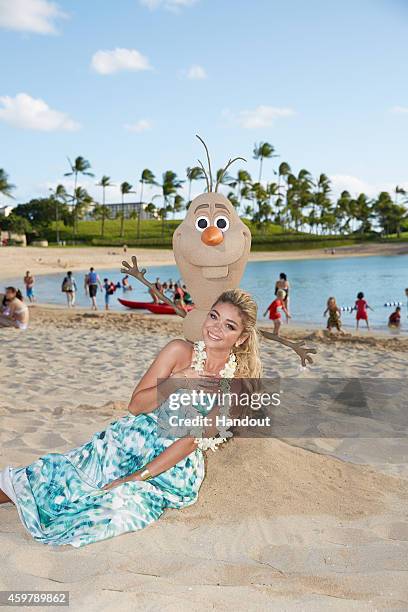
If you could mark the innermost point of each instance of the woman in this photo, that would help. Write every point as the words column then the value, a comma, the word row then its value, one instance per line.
column 69, row 287
column 126, row 476
column 283, row 284
column 14, row 311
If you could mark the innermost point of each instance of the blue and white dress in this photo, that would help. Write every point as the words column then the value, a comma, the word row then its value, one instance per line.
column 59, row 497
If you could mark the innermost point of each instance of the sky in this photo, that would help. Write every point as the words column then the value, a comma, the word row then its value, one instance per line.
column 127, row 84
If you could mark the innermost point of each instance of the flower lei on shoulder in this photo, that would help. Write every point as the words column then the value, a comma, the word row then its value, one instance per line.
column 227, row 372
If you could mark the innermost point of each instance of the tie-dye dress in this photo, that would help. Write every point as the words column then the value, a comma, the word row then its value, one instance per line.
column 59, row 497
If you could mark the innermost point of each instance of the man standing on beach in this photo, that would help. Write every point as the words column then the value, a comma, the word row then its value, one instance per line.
column 93, row 281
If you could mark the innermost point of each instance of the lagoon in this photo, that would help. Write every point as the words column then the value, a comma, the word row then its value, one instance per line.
column 381, row 278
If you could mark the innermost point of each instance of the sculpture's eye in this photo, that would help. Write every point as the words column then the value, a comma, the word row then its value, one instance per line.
column 222, row 223
column 201, row 223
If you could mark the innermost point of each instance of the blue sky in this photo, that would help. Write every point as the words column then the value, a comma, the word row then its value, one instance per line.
column 324, row 82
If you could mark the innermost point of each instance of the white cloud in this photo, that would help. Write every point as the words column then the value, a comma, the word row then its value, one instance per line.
column 400, row 110
column 29, row 113
column 169, row 5
column 108, row 62
column 196, row 72
column 355, row 185
column 140, row 126
column 37, row 16
column 261, row 117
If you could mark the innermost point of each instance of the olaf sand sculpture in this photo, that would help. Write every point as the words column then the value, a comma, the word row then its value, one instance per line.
column 211, row 248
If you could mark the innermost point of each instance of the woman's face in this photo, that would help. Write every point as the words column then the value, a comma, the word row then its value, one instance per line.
column 223, row 327
column 10, row 295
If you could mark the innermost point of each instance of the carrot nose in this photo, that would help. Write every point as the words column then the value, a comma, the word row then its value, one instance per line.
column 212, row 236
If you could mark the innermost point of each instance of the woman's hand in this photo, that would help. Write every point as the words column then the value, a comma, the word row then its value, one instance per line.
column 119, row 481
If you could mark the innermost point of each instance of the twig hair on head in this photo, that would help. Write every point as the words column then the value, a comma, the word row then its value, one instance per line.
column 208, row 177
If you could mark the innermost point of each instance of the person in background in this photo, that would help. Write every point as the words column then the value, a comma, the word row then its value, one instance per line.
column 29, row 285
column 125, row 283
column 187, row 297
column 361, row 307
column 334, row 314
column 283, row 283
column 274, row 311
column 93, row 282
column 69, row 287
column 394, row 320
column 86, row 278
column 14, row 313
column 158, row 286
column 179, row 295
column 110, row 289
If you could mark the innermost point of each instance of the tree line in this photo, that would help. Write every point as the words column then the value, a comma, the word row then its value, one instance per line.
column 296, row 201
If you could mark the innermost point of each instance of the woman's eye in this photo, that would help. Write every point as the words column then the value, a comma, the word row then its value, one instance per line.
column 212, row 315
column 222, row 223
column 201, row 223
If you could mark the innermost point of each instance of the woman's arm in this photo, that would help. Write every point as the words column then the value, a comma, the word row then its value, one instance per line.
column 148, row 395
column 163, row 462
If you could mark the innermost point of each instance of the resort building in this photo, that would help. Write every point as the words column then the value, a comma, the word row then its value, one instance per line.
column 5, row 211
column 130, row 209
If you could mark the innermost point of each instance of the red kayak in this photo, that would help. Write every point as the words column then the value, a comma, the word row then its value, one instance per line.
column 132, row 304
column 164, row 308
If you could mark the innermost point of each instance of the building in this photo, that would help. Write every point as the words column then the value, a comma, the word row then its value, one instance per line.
column 129, row 208
column 5, row 211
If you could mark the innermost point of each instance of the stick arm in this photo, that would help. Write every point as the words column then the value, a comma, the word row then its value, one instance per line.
column 133, row 270
column 298, row 347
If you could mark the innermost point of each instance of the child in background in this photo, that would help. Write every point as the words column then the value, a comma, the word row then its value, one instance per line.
column 334, row 314
column 110, row 289
column 361, row 307
column 274, row 308
column 394, row 320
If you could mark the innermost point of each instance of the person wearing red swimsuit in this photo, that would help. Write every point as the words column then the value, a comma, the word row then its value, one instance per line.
column 274, row 310
column 361, row 307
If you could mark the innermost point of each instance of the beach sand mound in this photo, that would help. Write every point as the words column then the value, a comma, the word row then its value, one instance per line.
column 273, row 478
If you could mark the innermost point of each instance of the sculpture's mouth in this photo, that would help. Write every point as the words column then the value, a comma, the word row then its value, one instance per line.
column 214, row 271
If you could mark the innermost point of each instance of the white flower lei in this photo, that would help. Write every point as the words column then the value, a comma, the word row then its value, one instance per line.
column 227, row 372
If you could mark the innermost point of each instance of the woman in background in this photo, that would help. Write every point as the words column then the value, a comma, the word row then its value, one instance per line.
column 14, row 311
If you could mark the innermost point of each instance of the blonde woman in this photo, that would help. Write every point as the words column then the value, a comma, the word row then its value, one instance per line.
column 127, row 475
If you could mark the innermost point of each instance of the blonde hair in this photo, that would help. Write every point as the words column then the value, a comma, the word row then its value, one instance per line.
column 249, row 363
column 281, row 294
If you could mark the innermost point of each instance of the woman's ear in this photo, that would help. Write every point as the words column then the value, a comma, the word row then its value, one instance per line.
column 242, row 339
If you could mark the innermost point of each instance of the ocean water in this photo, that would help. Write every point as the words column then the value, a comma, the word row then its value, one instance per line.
column 382, row 279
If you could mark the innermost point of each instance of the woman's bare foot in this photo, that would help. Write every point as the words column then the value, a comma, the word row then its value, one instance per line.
column 4, row 498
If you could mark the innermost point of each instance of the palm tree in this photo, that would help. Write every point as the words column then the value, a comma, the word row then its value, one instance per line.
column 80, row 166
column 59, row 194
column 263, row 151
column 81, row 201
column 5, row 187
column 103, row 211
column 147, row 178
column 125, row 188
column 193, row 174
column 399, row 191
column 169, row 187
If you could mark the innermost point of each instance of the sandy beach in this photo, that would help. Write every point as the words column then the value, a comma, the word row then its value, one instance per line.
column 280, row 524
column 14, row 261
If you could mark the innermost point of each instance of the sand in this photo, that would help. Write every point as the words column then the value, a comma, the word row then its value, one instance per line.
column 279, row 524
column 14, row 260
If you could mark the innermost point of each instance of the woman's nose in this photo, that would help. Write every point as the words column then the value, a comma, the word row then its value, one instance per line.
column 212, row 236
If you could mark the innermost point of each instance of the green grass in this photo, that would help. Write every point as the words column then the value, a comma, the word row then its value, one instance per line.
column 269, row 237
